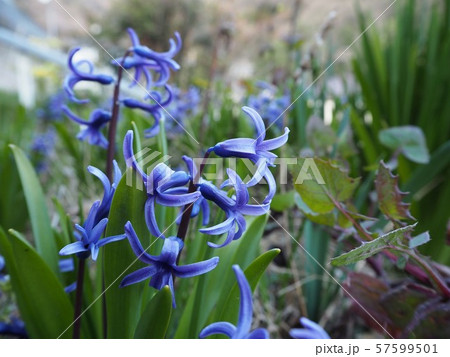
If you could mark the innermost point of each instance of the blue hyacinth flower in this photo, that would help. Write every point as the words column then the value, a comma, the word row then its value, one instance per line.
column 270, row 106
column 242, row 330
column 145, row 61
column 156, row 109
column 15, row 327
column 248, row 148
column 91, row 130
column 2, row 266
column 88, row 236
column 77, row 74
column 162, row 268
column 159, row 184
column 234, row 207
column 257, row 150
column 108, row 189
column 312, row 330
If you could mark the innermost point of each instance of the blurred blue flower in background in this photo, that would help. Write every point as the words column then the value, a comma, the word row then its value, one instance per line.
column 242, row 330
column 270, row 106
column 41, row 148
column 163, row 267
column 52, row 108
column 91, row 129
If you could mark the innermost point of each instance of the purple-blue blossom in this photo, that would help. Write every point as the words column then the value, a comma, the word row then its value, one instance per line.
column 270, row 106
column 242, row 329
column 159, row 184
column 312, row 330
column 184, row 104
column 42, row 146
column 145, row 61
column 88, row 236
column 257, row 150
column 52, row 109
column 234, row 207
column 108, row 189
column 162, row 268
column 156, row 109
column 82, row 70
column 91, row 130
column 16, row 327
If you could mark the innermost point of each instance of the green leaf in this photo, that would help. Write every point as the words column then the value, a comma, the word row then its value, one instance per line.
column 282, row 201
column 123, row 304
column 419, row 240
column 409, row 140
column 389, row 195
column 367, row 249
column 253, row 274
column 326, row 183
column 43, row 304
column 37, row 209
column 155, row 319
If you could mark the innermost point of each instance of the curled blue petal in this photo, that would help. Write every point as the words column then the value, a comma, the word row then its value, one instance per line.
column 312, row 330
column 78, row 75
column 246, row 303
column 218, row 328
column 245, row 315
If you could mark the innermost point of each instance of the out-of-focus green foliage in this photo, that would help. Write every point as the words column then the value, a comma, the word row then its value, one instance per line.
column 404, row 76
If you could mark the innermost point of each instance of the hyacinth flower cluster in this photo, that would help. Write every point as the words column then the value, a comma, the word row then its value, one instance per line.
column 270, row 105
column 89, row 234
column 167, row 187
column 163, row 268
column 186, row 190
column 257, row 150
column 147, row 64
column 152, row 67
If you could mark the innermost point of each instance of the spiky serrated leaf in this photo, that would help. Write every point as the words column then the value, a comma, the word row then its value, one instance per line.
column 389, row 195
column 367, row 249
column 320, row 183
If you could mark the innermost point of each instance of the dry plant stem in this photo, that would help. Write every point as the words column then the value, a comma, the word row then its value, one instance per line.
column 114, row 118
column 434, row 276
column 78, row 299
